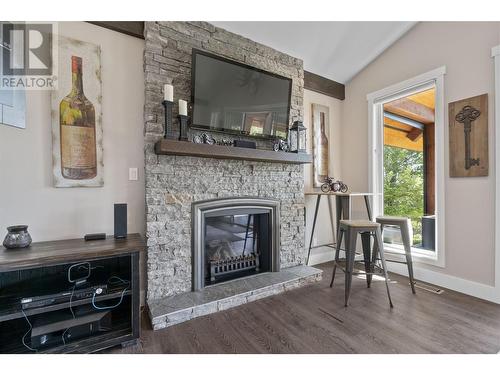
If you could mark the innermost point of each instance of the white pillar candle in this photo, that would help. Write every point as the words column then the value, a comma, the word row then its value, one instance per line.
column 183, row 107
column 168, row 92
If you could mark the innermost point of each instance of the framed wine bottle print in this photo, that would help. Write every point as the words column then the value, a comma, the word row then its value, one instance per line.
column 321, row 133
column 77, row 150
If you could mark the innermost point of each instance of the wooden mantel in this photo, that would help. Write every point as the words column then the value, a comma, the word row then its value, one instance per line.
column 170, row 147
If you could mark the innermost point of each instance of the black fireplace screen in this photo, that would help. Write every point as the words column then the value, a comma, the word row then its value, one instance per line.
column 235, row 246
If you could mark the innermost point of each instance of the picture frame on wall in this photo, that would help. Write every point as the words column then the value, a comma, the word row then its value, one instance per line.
column 468, row 133
column 13, row 108
column 77, row 136
column 12, row 102
column 321, row 142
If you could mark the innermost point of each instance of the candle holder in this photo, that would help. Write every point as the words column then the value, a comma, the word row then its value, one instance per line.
column 169, row 134
column 183, row 120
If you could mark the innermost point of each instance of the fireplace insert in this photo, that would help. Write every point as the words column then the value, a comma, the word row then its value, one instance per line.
column 234, row 238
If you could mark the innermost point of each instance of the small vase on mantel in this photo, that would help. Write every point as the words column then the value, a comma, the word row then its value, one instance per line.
column 17, row 237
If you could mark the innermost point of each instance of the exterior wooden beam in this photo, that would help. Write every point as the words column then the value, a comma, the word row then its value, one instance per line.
column 410, row 109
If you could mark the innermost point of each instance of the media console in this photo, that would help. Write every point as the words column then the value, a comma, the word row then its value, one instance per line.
column 70, row 296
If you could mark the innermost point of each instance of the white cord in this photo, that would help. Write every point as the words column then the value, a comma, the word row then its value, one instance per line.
column 108, row 307
column 72, row 312
column 71, row 301
column 29, row 330
column 120, row 279
column 121, row 297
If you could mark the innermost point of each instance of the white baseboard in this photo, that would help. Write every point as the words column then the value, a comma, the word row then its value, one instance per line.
column 472, row 288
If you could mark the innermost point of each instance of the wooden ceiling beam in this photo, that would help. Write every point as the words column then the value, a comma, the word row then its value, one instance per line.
column 414, row 134
column 132, row 28
column 410, row 109
column 323, row 85
column 397, row 138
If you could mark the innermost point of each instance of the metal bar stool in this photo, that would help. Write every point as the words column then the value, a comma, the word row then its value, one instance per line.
column 350, row 229
column 404, row 225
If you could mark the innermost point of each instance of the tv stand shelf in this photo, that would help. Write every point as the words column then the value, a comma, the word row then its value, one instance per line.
column 171, row 147
column 72, row 317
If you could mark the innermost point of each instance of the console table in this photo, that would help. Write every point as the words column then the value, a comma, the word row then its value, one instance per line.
column 70, row 296
column 343, row 209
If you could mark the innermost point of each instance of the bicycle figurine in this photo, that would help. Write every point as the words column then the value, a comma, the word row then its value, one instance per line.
column 280, row 145
column 334, row 186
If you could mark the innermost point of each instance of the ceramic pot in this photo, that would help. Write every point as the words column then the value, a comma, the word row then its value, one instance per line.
column 17, row 237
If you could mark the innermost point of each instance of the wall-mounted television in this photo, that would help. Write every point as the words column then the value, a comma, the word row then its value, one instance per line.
column 235, row 98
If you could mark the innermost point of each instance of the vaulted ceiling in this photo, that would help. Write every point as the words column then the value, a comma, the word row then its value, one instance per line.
column 335, row 50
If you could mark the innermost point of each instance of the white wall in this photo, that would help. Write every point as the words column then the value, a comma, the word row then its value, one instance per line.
column 323, row 231
column 26, row 192
column 465, row 49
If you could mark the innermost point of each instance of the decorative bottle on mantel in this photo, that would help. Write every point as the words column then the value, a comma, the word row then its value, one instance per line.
column 77, row 122
column 322, row 150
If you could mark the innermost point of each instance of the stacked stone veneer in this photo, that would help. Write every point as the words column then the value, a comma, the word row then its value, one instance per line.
column 174, row 182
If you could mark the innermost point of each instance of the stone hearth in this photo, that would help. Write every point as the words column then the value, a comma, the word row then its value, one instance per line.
column 166, row 312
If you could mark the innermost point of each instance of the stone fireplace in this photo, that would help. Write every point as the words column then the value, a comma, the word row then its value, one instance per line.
column 212, row 220
column 181, row 185
column 233, row 238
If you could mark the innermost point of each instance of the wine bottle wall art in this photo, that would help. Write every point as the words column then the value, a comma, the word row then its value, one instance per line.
column 76, row 116
column 321, row 166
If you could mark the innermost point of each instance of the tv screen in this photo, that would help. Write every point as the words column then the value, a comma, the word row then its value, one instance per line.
column 237, row 98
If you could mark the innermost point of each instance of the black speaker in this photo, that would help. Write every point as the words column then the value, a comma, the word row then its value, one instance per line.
column 120, row 220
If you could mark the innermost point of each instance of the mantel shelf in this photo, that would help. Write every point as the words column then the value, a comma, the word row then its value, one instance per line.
column 171, row 147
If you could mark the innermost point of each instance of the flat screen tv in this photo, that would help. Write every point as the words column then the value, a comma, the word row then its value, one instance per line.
column 235, row 98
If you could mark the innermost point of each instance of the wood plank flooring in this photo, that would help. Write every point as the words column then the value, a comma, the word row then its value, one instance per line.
column 313, row 319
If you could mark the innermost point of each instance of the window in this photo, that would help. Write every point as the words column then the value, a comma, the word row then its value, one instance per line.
column 406, row 161
column 408, row 169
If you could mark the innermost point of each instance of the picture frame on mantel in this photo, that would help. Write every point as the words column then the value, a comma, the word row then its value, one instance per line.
column 77, row 137
column 468, row 133
column 321, row 131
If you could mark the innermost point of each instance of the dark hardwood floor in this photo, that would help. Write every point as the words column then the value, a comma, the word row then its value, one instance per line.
column 313, row 319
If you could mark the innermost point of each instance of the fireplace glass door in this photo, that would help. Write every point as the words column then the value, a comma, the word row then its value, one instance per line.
column 236, row 244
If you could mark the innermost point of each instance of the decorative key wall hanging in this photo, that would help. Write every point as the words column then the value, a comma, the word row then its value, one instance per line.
column 468, row 120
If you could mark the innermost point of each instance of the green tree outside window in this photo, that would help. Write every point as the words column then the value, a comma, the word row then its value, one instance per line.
column 404, row 186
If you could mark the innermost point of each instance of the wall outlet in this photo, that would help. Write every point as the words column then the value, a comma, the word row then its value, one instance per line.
column 132, row 174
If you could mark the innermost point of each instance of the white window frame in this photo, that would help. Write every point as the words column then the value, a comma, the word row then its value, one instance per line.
column 376, row 100
column 495, row 54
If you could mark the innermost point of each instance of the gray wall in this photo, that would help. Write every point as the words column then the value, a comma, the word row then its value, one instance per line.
column 174, row 182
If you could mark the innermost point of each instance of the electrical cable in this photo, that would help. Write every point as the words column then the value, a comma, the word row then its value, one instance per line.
column 111, row 281
column 72, row 312
column 29, row 330
column 118, row 278
column 108, row 307
column 121, row 296
column 71, row 301
column 85, row 265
